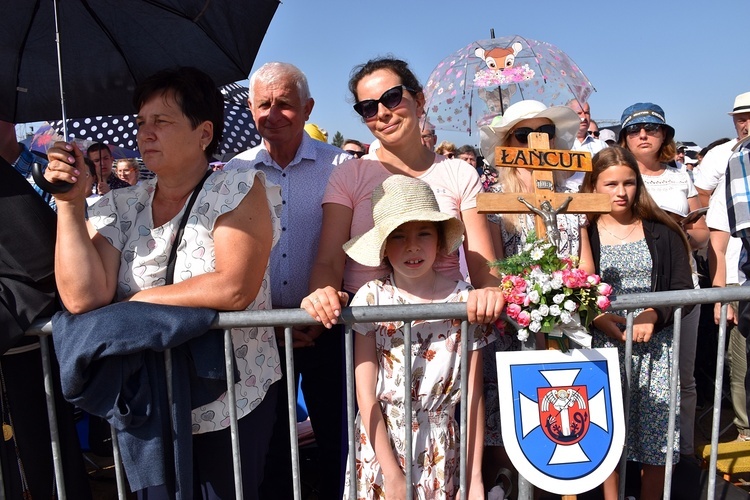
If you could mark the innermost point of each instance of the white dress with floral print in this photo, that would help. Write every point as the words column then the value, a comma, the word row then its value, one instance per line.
column 124, row 218
column 436, row 357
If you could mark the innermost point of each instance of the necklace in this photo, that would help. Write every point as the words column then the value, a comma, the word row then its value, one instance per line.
column 622, row 240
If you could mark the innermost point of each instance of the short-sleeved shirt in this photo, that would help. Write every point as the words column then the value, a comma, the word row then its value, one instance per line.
column 717, row 218
column 592, row 146
column 124, row 218
column 302, row 184
column 712, row 167
column 671, row 189
column 454, row 182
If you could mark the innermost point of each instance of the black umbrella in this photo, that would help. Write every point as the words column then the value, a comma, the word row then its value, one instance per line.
column 107, row 46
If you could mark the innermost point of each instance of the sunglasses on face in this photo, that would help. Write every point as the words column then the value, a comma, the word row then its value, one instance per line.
column 595, row 133
column 390, row 99
column 650, row 128
column 522, row 134
column 358, row 154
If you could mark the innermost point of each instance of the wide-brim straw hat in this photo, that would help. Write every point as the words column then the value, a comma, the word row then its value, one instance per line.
column 398, row 200
column 567, row 123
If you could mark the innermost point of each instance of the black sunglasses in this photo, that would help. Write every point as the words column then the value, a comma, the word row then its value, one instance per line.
column 390, row 99
column 595, row 133
column 522, row 134
column 650, row 128
column 358, row 154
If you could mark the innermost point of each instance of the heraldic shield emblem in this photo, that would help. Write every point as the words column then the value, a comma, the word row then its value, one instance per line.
column 561, row 416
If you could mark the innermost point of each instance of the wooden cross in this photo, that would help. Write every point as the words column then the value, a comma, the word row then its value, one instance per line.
column 543, row 162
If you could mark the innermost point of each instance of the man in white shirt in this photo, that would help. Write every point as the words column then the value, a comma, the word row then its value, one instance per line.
column 710, row 172
column 584, row 141
column 280, row 102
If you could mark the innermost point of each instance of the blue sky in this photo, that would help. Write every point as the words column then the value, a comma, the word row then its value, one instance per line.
column 687, row 56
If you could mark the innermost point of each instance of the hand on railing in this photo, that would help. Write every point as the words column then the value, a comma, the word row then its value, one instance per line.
column 731, row 315
column 325, row 304
column 485, row 305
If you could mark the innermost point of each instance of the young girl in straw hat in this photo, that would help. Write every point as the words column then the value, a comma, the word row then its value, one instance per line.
column 409, row 233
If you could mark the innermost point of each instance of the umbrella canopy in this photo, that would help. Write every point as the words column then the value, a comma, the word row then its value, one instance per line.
column 478, row 82
column 108, row 46
column 47, row 134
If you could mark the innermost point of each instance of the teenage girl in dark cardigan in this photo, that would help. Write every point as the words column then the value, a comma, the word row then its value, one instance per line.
column 637, row 248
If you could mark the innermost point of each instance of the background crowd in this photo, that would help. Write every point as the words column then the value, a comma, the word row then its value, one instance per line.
column 270, row 229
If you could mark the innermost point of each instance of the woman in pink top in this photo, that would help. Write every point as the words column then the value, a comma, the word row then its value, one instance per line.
column 390, row 100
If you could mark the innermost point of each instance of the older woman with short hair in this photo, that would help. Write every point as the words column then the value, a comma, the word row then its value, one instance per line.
column 120, row 254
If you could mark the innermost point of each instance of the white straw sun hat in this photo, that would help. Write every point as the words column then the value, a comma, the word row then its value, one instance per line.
column 400, row 199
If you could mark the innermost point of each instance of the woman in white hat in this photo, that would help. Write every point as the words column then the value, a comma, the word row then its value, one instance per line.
column 510, row 231
column 560, row 123
column 409, row 233
column 391, row 103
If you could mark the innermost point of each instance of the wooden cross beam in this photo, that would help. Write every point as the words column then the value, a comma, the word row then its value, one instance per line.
column 543, row 162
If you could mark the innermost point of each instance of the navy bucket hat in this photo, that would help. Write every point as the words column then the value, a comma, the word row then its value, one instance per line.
column 645, row 112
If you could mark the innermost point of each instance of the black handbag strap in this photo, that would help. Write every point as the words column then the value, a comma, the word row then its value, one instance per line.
column 181, row 229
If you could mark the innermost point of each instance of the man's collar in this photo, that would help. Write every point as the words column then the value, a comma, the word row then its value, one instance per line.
column 305, row 151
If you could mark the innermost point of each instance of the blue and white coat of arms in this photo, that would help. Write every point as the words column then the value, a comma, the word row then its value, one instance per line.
column 561, row 416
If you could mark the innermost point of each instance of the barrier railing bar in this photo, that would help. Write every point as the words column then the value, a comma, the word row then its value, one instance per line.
column 408, row 450
column 465, row 383
column 442, row 311
column 718, row 386
column 291, row 403
column 629, row 319
column 232, row 404
column 674, row 389
column 351, row 414
column 52, row 416
column 119, row 470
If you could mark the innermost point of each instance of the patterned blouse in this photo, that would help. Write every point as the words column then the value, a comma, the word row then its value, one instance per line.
column 124, row 217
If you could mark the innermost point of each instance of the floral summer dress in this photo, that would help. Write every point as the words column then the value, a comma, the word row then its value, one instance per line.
column 627, row 268
column 436, row 357
column 124, row 217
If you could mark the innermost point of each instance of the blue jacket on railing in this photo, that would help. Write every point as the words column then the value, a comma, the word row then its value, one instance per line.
column 111, row 366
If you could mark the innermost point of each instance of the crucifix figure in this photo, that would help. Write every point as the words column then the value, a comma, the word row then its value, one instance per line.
column 549, row 217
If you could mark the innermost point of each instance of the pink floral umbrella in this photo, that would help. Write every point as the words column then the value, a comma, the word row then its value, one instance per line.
column 467, row 89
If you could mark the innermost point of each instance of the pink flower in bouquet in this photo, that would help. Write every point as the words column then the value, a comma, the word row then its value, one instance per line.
column 574, row 278
column 514, row 288
column 524, row 318
column 593, row 279
column 604, row 289
column 512, row 310
column 602, row 302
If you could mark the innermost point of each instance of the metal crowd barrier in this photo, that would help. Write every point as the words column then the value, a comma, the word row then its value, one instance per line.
column 297, row 317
